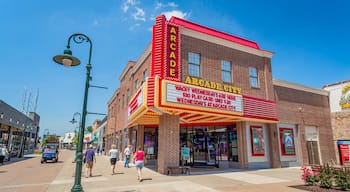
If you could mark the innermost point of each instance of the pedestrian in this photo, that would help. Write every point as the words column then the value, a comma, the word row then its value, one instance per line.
column 127, row 152
column 90, row 159
column 139, row 162
column 114, row 157
column 3, row 154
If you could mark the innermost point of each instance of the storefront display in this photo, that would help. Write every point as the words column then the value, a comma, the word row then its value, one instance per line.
column 344, row 152
column 287, row 141
column 257, row 141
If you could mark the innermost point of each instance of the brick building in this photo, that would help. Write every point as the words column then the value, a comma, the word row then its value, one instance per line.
column 201, row 97
column 339, row 98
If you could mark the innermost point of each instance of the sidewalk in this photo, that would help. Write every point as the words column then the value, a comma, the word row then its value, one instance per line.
column 126, row 180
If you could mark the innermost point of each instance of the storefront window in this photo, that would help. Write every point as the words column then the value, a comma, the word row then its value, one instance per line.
column 151, row 143
column 287, row 141
column 206, row 145
column 133, row 140
column 257, row 140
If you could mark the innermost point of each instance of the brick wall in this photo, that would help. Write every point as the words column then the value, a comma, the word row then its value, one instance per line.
column 210, row 69
column 307, row 109
column 168, row 143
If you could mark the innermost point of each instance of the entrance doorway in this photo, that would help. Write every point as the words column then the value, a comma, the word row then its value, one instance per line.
column 209, row 145
column 311, row 134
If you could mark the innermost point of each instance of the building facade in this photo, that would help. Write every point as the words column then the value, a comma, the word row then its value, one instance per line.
column 340, row 114
column 98, row 130
column 18, row 131
column 201, row 97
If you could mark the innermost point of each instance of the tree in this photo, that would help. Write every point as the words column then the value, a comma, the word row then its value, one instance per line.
column 44, row 141
column 88, row 129
column 75, row 139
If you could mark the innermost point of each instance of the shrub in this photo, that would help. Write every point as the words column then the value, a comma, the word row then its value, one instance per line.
column 309, row 176
column 326, row 176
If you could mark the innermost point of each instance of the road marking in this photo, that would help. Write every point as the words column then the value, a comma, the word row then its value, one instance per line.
column 66, row 181
column 252, row 178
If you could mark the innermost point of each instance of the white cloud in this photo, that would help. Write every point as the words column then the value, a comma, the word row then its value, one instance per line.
column 127, row 4
column 158, row 6
column 176, row 13
column 139, row 14
column 172, row 4
column 161, row 5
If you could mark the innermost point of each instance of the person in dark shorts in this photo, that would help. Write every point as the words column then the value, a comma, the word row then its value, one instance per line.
column 114, row 157
column 90, row 160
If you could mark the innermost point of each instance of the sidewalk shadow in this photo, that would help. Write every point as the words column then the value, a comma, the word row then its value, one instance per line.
column 96, row 175
column 144, row 179
column 118, row 173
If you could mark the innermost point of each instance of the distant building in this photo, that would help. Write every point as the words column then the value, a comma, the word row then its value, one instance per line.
column 339, row 99
column 67, row 140
column 98, row 130
column 17, row 130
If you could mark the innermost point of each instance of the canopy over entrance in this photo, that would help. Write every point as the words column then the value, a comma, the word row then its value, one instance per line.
column 195, row 105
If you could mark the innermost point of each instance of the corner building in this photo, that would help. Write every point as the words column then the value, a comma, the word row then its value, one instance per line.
column 201, row 97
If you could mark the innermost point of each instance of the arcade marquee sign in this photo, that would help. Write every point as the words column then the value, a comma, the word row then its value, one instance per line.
column 193, row 97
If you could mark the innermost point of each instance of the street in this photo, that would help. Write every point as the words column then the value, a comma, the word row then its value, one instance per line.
column 29, row 175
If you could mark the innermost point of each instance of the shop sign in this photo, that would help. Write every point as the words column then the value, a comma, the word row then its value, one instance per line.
column 344, row 153
column 136, row 102
column 345, row 97
column 194, row 96
column 212, row 85
column 172, row 68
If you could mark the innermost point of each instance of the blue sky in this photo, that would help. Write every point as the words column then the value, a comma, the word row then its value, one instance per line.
column 310, row 40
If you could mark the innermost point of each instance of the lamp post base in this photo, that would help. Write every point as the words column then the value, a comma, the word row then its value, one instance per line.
column 77, row 188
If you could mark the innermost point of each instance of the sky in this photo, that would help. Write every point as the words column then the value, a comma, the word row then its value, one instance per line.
column 310, row 41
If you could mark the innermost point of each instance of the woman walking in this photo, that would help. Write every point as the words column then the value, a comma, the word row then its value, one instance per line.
column 139, row 156
column 114, row 156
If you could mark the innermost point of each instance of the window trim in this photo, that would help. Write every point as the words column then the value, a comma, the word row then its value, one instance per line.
column 195, row 64
column 254, row 77
column 230, row 72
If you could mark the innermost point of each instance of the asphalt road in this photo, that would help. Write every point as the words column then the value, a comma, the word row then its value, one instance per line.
column 28, row 174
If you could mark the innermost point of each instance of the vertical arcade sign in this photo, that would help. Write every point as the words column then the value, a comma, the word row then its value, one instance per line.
column 166, row 50
column 172, row 56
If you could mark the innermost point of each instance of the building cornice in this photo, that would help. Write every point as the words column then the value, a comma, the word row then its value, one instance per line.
column 226, row 43
column 300, row 87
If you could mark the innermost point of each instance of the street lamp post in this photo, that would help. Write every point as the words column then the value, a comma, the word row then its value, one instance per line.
column 68, row 60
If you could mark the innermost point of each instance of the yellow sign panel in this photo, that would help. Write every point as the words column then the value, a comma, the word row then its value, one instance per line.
column 345, row 97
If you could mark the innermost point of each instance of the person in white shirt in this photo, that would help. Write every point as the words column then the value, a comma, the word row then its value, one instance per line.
column 114, row 157
column 127, row 152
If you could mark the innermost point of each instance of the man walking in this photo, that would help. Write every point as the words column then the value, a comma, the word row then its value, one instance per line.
column 127, row 152
column 90, row 159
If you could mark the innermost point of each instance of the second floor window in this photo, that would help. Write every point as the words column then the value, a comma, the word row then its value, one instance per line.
column 128, row 96
column 136, row 84
column 145, row 75
column 194, row 61
column 253, row 77
column 226, row 71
